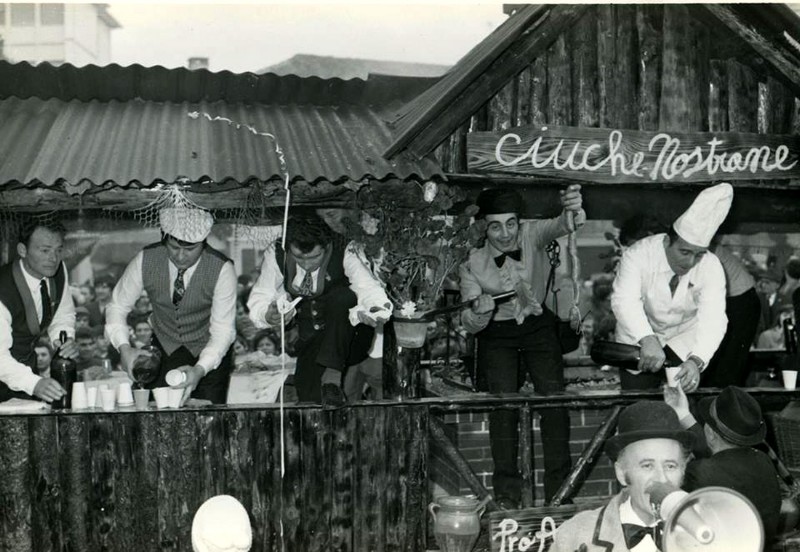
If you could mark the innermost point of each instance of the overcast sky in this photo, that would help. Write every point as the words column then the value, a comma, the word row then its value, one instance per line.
column 249, row 37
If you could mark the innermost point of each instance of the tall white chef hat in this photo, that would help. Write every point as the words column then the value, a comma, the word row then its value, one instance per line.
column 221, row 524
column 698, row 224
column 186, row 224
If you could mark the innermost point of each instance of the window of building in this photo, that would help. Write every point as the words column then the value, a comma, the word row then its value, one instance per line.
column 23, row 15
column 2, row 15
column 51, row 14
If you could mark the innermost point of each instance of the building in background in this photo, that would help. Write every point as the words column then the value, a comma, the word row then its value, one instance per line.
column 79, row 34
column 329, row 67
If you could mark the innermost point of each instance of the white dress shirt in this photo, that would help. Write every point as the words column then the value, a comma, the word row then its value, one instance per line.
column 222, row 324
column 628, row 515
column 16, row 375
column 691, row 322
column 369, row 291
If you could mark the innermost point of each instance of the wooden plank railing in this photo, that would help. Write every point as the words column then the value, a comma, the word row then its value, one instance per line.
column 355, row 478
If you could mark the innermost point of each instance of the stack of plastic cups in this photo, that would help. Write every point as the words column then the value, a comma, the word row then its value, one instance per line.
column 125, row 394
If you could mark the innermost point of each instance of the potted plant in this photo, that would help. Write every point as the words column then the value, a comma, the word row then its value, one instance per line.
column 415, row 237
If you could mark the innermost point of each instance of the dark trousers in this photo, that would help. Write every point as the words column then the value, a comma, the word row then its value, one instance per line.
column 729, row 366
column 648, row 380
column 334, row 343
column 212, row 387
column 508, row 352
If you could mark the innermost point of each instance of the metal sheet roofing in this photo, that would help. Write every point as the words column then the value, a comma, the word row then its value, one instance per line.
column 132, row 125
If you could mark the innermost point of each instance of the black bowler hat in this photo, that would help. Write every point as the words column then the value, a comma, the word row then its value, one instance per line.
column 497, row 201
column 735, row 415
column 647, row 420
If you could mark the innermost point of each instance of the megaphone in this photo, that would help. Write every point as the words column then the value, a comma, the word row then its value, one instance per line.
column 712, row 519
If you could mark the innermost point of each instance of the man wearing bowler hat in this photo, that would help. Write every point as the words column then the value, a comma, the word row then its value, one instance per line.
column 192, row 290
column 518, row 337
column 650, row 447
column 669, row 295
column 732, row 426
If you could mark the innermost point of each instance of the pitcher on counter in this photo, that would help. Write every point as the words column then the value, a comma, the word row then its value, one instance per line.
column 34, row 301
column 669, row 295
column 192, row 289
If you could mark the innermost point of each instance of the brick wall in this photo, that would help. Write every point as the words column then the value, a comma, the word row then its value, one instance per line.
column 469, row 431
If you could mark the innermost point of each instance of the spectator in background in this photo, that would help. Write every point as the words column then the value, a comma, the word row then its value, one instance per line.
column 729, row 365
column 772, row 338
column 142, row 333
column 97, row 308
column 240, row 345
column 244, row 326
column 767, row 284
column 82, row 319
column 86, row 348
column 267, row 342
column 87, row 294
column 789, row 283
column 44, row 355
column 243, row 285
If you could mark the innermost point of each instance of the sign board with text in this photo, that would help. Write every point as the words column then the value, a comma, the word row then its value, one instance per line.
column 631, row 156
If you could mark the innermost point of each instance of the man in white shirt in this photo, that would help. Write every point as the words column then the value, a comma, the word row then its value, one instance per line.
column 34, row 300
column 669, row 295
column 650, row 447
column 192, row 290
column 338, row 298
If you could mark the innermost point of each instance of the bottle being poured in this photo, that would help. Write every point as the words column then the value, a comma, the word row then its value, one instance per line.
column 65, row 371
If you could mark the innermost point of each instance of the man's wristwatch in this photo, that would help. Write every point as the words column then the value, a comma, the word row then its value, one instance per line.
column 697, row 362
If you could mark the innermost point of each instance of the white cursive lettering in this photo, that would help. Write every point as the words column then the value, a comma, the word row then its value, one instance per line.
column 510, row 542
column 667, row 157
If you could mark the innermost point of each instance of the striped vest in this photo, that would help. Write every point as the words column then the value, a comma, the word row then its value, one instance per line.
column 188, row 323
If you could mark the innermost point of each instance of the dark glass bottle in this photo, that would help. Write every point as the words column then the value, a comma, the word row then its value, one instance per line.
column 65, row 372
column 789, row 336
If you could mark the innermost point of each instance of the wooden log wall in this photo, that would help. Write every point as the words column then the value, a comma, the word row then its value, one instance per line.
column 645, row 67
column 355, row 479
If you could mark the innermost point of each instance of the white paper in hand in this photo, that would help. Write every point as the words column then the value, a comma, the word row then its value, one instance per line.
column 286, row 305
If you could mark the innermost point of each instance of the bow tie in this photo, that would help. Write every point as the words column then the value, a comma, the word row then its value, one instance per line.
column 635, row 533
column 501, row 258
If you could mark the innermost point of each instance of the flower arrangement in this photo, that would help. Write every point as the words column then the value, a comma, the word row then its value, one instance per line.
column 416, row 237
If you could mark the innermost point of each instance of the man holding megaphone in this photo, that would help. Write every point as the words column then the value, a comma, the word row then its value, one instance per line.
column 650, row 447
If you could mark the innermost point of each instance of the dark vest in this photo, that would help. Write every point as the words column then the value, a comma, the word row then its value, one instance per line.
column 331, row 279
column 15, row 296
column 187, row 324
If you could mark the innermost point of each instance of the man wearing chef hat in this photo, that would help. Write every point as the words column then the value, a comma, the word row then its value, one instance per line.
column 192, row 290
column 669, row 295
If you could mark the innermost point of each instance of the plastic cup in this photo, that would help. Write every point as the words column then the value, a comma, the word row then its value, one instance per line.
column 789, row 379
column 91, row 397
column 175, row 377
column 125, row 394
column 79, row 399
column 108, row 398
column 175, row 396
column 162, row 397
column 141, row 397
column 672, row 374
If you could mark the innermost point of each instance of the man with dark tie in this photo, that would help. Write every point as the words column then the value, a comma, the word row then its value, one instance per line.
column 669, row 295
column 518, row 337
column 192, row 290
column 326, row 289
column 35, row 301
column 650, row 447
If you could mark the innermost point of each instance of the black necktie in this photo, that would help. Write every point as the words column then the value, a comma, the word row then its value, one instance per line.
column 179, row 288
column 47, row 307
column 673, row 283
column 635, row 533
column 501, row 258
column 306, row 286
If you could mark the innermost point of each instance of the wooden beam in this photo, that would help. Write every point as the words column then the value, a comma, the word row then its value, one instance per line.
column 772, row 52
column 533, row 43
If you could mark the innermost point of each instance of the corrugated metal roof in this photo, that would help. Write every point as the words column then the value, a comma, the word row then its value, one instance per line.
column 145, row 142
column 112, row 82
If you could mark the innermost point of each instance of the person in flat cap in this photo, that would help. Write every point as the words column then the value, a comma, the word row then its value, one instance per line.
column 519, row 336
column 650, row 448
column 669, row 295
column 192, row 291
column 730, row 429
